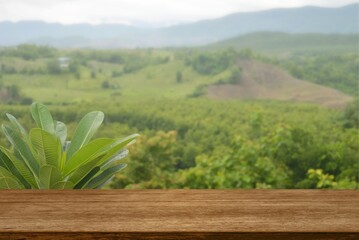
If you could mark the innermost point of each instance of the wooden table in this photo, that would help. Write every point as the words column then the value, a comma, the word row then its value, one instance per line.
column 179, row 214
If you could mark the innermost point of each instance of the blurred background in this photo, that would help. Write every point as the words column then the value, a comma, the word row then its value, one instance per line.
column 225, row 94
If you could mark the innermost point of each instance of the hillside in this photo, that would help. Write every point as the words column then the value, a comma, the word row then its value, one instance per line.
column 265, row 81
column 128, row 74
column 341, row 20
column 276, row 42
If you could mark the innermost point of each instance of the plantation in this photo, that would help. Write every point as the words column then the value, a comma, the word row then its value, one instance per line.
column 188, row 139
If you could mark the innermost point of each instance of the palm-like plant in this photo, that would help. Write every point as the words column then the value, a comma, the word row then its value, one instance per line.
column 43, row 159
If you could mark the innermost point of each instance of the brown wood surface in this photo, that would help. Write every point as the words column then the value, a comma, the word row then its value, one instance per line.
column 179, row 214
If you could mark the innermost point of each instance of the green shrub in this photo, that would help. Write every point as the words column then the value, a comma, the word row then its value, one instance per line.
column 53, row 67
column 105, row 84
column 179, row 77
column 198, row 91
column 43, row 159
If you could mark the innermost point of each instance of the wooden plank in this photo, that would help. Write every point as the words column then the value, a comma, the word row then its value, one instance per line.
column 178, row 214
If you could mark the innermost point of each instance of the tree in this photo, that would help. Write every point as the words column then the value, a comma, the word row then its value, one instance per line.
column 179, row 76
column 53, row 67
column 74, row 67
column 153, row 162
column 235, row 77
column 105, row 84
column 93, row 75
column 351, row 115
column 13, row 91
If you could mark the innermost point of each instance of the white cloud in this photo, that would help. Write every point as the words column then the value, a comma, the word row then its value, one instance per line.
column 144, row 12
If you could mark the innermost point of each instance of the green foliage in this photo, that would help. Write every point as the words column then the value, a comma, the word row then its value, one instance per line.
column 30, row 52
column 241, row 165
column 53, row 67
column 186, row 142
column 93, row 75
column 8, row 69
column 178, row 76
column 198, row 91
column 336, row 70
column 322, row 180
column 154, row 159
column 103, row 56
column 246, row 53
column 105, row 84
column 231, row 144
column 351, row 115
column 234, row 78
column 318, row 179
column 281, row 43
column 213, row 63
column 43, row 159
column 134, row 65
column 13, row 91
column 116, row 74
column 12, row 94
column 73, row 66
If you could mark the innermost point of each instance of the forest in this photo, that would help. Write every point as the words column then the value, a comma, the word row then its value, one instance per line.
column 189, row 139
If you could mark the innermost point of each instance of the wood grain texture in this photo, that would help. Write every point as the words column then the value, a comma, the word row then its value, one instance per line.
column 179, row 214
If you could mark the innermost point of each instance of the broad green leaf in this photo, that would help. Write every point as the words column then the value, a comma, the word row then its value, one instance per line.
column 120, row 155
column 9, row 183
column 66, row 145
column 25, row 172
column 42, row 117
column 86, row 154
column 63, row 185
column 17, row 170
column 82, row 171
column 87, row 178
column 22, row 148
column 47, row 146
column 85, row 131
column 106, row 154
column 117, row 146
column 18, row 156
column 105, row 176
column 61, row 131
column 63, row 161
column 8, row 180
column 49, row 175
column 17, row 125
column 2, row 164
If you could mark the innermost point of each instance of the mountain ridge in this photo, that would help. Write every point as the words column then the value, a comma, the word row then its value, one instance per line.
column 342, row 20
column 279, row 42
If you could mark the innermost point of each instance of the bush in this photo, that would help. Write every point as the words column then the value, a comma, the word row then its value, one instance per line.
column 105, row 84
column 179, row 77
column 26, row 101
column 93, row 75
column 351, row 115
column 213, row 63
column 198, row 91
column 117, row 74
column 53, row 67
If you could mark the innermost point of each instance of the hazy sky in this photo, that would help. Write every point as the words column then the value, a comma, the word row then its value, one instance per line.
column 140, row 12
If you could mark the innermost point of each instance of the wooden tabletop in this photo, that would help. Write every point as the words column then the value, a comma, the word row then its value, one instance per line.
column 179, row 214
